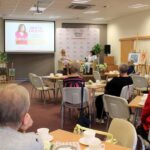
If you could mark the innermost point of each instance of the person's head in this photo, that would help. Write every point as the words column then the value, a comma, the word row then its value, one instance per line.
column 14, row 105
column 75, row 67
column 22, row 28
column 63, row 52
column 123, row 69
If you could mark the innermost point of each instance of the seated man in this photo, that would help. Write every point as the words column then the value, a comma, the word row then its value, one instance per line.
column 114, row 87
column 74, row 79
column 14, row 116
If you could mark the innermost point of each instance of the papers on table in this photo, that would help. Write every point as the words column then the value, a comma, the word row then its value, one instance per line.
column 143, row 99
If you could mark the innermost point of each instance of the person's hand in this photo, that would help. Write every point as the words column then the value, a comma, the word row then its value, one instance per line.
column 27, row 122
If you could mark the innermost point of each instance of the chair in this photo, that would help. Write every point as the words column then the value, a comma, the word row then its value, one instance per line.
column 140, row 143
column 30, row 79
column 96, row 75
column 120, row 132
column 127, row 92
column 72, row 99
column 140, row 83
column 116, row 107
column 124, row 132
column 39, row 86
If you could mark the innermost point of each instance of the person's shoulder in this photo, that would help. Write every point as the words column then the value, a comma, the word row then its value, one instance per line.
column 33, row 141
column 23, row 141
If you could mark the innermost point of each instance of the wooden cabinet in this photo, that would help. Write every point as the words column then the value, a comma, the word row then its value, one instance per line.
column 109, row 60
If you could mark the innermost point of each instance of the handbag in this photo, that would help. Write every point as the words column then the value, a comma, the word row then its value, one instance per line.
column 83, row 119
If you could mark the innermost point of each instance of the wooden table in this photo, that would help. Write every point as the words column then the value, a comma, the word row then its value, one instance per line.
column 135, row 104
column 110, row 75
column 92, row 89
column 54, row 79
column 65, row 136
column 87, row 77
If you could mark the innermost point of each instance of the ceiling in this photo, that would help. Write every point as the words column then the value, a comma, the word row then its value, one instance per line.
column 58, row 9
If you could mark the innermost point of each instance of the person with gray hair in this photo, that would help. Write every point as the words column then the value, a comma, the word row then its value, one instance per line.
column 14, row 116
column 114, row 87
column 74, row 79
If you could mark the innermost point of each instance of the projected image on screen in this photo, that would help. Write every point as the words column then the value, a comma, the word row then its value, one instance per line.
column 29, row 36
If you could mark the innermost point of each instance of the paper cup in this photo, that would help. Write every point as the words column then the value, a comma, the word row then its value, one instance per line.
column 43, row 133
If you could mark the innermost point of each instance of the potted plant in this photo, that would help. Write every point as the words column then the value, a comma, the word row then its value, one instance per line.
column 3, row 57
column 97, row 48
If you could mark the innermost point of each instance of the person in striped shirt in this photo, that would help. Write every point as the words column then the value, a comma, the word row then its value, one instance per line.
column 74, row 79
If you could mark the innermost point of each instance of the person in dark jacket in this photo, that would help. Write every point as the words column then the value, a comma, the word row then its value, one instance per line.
column 114, row 87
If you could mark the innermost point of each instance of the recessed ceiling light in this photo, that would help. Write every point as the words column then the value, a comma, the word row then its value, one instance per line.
column 91, row 12
column 97, row 19
column 137, row 6
column 80, row 1
column 39, row 8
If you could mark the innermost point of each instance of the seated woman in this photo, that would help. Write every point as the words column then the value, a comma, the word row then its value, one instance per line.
column 131, row 69
column 144, row 127
column 64, row 62
column 74, row 79
column 88, row 61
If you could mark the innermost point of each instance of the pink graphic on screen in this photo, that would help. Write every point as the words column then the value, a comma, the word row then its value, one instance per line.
column 21, row 35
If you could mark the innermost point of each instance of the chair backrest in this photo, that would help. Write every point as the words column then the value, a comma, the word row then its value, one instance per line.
column 73, row 95
column 37, row 82
column 80, row 129
column 140, row 143
column 139, row 81
column 117, row 107
column 127, row 92
column 30, row 77
column 96, row 75
column 124, row 132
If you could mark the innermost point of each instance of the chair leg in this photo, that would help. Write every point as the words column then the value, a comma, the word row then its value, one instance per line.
column 108, row 122
column 62, row 117
column 49, row 95
column 44, row 97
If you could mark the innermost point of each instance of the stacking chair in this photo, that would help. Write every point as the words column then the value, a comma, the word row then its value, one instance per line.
column 124, row 132
column 72, row 99
column 140, row 84
column 116, row 107
column 39, row 86
column 30, row 79
column 80, row 129
column 120, row 132
column 127, row 92
column 140, row 143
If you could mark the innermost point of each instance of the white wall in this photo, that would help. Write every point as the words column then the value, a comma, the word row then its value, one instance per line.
column 129, row 26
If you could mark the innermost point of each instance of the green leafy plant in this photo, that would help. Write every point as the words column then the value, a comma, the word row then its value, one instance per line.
column 3, row 57
column 97, row 49
column 102, row 67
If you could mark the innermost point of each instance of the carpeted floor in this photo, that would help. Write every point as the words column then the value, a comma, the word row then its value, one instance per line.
column 49, row 115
